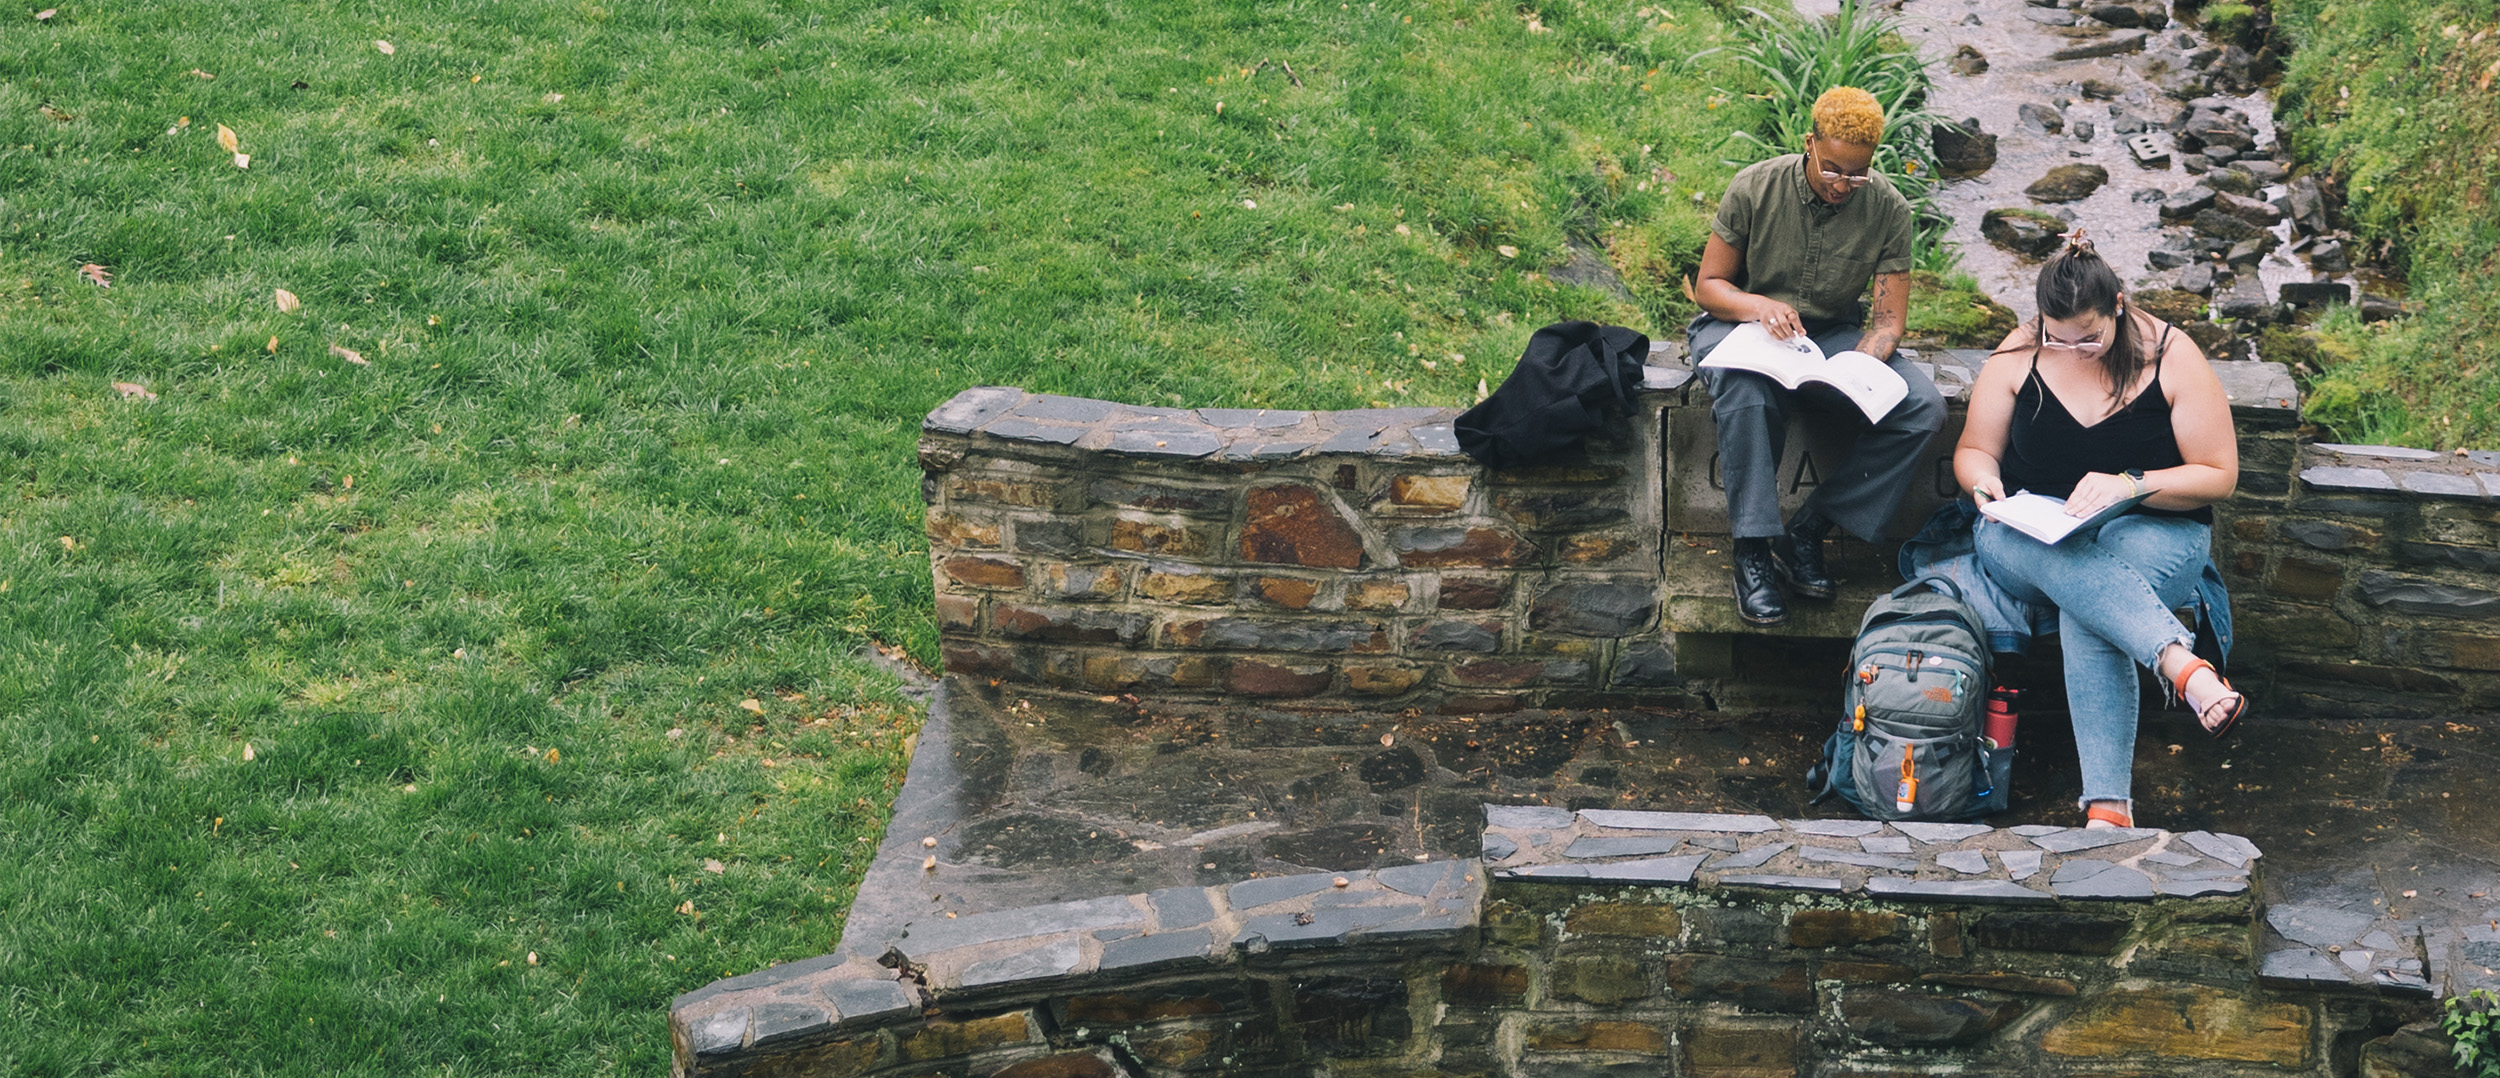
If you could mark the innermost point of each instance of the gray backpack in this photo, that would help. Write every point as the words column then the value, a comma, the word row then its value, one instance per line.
column 1909, row 746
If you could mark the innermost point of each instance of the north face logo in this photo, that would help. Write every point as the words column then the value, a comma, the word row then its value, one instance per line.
column 1941, row 694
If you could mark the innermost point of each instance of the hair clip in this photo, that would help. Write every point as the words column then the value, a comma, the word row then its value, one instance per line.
column 2075, row 242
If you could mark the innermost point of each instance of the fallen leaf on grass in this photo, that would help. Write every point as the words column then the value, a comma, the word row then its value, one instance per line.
column 1508, row 251
column 554, row 756
column 273, row 346
column 384, row 47
column 133, row 389
column 752, row 704
column 713, row 866
column 46, row 14
column 248, row 754
column 102, row 277
column 287, row 303
column 227, row 140
column 243, row 160
column 686, row 907
column 533, row 958
column 199, row 74
column 56, row 115
column 349, row 354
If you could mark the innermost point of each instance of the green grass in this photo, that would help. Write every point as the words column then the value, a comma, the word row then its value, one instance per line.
column 2378, row 97
column 653, row 297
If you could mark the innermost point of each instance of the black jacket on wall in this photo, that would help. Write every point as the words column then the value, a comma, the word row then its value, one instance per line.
column 1572, row 377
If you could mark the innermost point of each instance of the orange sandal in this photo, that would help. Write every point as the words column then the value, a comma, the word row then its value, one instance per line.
column 2238, row 701
column 2111, row 816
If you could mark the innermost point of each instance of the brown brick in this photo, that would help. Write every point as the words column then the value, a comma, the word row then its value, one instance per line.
column 1474, row 592
column 1784, row 987
column 1113, row 673
column 1161, row 498
column 2303, row 578
column 1545, row 510
column 1730, row 1051
column 1867, row 972
column 1624, row 919
column 2328, row 534
column 982, row 659
column 1441, row 492
column 1028, row 493
column 1182, row 586
column 1590, row 548
column 2461, row 651
column 839, row 1059
column 1496, row 673
column 1382, row 680
column 2250, row 529
column 1172, row 540
column 1474, row 985
column 1093, row 1064
column 1083, row 583
column 1179, row 1049
column 1066, row 625
column 1292, row 524
column 943, row 1038
column 959, row 613
column 1944, row 935
column 1442, row 548
column 953, row 530
column 1378, row 594
column 976, row 571
column 1182, row 671
column 1833, row 928
column 1287, row 592
column 1251, row 677
column 1598, row 1037
column 1480, row 704
column 2184, row 1023
column 2285, row 625
column 1597, row 978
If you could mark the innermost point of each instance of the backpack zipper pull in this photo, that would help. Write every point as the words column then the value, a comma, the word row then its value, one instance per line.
column 1860, row 721
column 1905, row 797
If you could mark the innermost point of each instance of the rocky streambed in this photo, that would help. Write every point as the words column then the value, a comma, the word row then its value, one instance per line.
column 2151, row 130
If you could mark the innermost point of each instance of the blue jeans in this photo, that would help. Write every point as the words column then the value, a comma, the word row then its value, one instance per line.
column 2114, row 592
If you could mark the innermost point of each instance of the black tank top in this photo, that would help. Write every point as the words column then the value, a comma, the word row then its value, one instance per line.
column 2047, row 452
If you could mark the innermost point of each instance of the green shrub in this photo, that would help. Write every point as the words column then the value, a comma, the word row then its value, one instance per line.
column 2470, row 1020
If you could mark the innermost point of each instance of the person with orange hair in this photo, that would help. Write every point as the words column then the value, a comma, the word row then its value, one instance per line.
column 1795, row 244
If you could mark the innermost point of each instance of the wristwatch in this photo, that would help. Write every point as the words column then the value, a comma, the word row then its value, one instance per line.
column 2135, row 478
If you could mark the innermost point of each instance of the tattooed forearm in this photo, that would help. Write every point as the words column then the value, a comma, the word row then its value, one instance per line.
column 1885, row 326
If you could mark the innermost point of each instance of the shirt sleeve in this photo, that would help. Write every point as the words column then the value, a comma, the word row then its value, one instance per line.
column 1894, row 257
column 1734, row 221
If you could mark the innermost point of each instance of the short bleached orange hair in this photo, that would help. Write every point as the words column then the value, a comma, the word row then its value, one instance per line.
column 1850, row 115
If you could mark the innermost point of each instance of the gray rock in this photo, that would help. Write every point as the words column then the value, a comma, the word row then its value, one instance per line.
column 1595, row 609
column 2262, row 170
column 1498, row 848
column 2035, row 830
column 1266, row 450
column 2317, row 924
column 1782, row 883
column 2223, row 226
column 930, row 937
column 2118, row 15
column 2261, row 214
column 2020, row 864
column 1988, row 891
column 1962, row 152
column 2113, row 45
column 1180, row 907
column 1966, row 862
column 2231, row 181
column 2049, row 16
column 2443, row 484
column 1457, row 636
column 2081, row 129
column 1859, row 858
column 2170, row 256
column 1534, row 817
column 1065, row 409
column 1646, row 663
column 1017, row 428
column 2414, row 596
column 1057, row 958
column 1420, row 880
column 1836, row 828
column 2201, row 887
column 1649, row 870
column 1679, row 821
column 2197, row 277
column 2068, row 183
column 2329, row 256
column 2246, row 298
column 780, row 1023
column 1884, row 844
column 2195, row 164
column 2300, row 967
column 2185, row 205
column 2347, row 479
column 1968, row 61
column 1438, row 439
column 2379, row 308
column 866, row 999
column 2124, row 122
column 1249, row 894
column 2247, row 252
column 1932, row 833
column 1753, row 858
column 965, row 412
column 2042, row 118
column 718, row 1033
column 1253, row 418
column 1587, row 846
column 2173, row 858
column 1721, row 843
column 1158, row 949
column 2090, row 879
column 2077, row 839
column 2316, row 293
column 2025, row 232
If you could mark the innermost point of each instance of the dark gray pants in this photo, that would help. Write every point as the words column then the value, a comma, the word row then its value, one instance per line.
column 1752, row 412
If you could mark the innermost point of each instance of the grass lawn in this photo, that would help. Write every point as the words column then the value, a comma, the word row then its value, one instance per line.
column 448, row 711
column 2395, row 105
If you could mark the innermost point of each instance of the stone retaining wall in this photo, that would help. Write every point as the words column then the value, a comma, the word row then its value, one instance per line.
column 1600, row 943
column 1357, row 559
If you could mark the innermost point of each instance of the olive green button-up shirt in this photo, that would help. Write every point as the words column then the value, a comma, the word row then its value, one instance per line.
column 1806, row 253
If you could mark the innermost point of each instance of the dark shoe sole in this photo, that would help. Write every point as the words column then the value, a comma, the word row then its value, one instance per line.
column 1766, row 623
column 1803, row 591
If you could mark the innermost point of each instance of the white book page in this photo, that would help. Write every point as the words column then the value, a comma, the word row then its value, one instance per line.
column 2036, row 515
column 1867, row 382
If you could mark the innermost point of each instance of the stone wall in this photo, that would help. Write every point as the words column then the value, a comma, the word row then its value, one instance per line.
column 1596, row 944
column 1357, row 559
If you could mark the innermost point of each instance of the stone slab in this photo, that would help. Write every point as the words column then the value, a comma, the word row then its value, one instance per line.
column 1859, row 858
column 1421, row 880
column 1648, row 870
column 1619, row 846
column 1057, row 958
column 2228, row 849
column 1155, row 443
column 868, row 999
column 1836, row 828
column 1251, row 418
column 1753, row 858
column 2077, row 840
column 1540, row 817
column 1159, row 949
column 1784, row 883
column 2091, row 879
column 1679, row 821
column 1967, row 862
column 1980, row 891
column 2319, row 925
column 2020, row 864
column 1933, row 833
column 2443, row 485
column 2382, row 452
column 1884, row 844
column 965, row 412
column 922, row 938
column 2330, row 478
column 1251, row 894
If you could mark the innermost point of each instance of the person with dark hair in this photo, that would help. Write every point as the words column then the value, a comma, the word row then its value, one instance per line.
column 1796, row 241
column 2095, row 402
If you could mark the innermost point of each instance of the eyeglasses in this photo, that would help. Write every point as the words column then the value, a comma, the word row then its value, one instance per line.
column 2089, row 346
column 1859, row 180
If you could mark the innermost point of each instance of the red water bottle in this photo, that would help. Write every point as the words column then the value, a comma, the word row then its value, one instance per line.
column 2002, row 716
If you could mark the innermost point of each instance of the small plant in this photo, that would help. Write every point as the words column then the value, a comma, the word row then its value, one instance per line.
column 1799, row 59
column 2473, row 1022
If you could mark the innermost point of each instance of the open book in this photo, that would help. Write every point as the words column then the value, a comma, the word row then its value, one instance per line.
column 1870, row 385
column 2044, row 518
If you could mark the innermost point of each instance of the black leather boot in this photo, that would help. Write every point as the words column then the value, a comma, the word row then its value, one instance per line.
column 1799, row 558
column 1758, row 598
